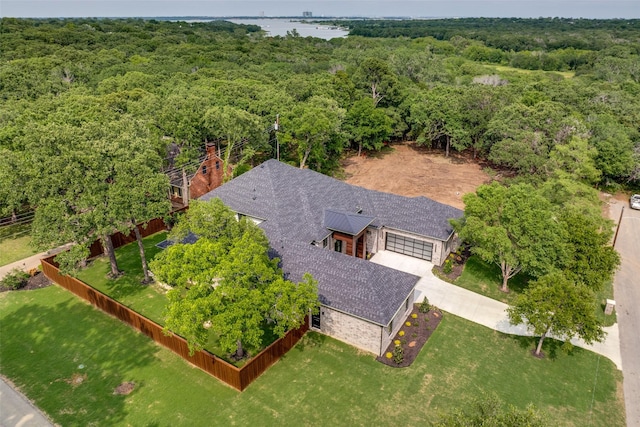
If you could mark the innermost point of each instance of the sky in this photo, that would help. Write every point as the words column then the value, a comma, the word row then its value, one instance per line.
column 319, row 8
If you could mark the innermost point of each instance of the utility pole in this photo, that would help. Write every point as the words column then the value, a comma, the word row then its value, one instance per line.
column 615, row 237
column 276, row 125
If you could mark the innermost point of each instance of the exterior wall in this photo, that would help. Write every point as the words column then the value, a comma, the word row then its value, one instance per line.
column 352, row 330
column 360, row 333
column 347, row 242
column 440, row 251
column 398, row 321
column 372, row 240
column 209, row 175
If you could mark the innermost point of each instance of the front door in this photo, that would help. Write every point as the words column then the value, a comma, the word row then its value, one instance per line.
column 315, row 321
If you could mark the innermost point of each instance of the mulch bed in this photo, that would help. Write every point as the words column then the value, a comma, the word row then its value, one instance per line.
column 37, row 281
column 414, row 338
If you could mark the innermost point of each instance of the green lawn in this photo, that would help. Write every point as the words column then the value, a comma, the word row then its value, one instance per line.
column 486, row 279
column 48, row 334
column 149, row 301
column 15, row 243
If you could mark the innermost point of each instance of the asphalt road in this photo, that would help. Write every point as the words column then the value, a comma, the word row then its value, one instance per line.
column 627, row 296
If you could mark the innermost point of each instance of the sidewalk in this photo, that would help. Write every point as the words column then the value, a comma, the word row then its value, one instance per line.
column 16, row 410
column 478, row 308
column 31, row 262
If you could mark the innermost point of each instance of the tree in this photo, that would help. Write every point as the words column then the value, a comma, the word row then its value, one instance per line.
column 437, row 115
column 590, row 259
column 233, row 125
column 555, row 305
column 513, row 227
column 226, row 282
column 101, row 178
column 375, row 75
column 314, row 128
column 367, row 125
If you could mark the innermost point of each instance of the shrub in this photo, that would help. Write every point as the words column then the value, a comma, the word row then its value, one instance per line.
column 424, row 306
column 414, row 316
column 398, row 354
column 408, row 323
column 397, row 342
column 389, row 355
column 447, row 267
column 401, row 333
column 15, row 279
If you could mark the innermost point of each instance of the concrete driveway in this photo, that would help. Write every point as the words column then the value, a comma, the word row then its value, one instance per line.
column 478, row 308
column 627, row 295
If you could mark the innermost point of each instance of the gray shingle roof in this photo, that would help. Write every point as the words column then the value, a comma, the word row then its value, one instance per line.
column 293, row 201
column 346, row 222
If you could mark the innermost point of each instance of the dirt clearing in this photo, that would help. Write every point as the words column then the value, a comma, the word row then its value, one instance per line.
column 415, row 171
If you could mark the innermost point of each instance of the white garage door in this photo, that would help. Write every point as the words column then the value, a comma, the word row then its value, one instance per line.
column 408, row 246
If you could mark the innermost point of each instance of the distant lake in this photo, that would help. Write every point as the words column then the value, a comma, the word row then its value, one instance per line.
column 279, row 27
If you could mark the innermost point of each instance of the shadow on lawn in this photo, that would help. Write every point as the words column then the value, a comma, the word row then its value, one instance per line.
column 69, row 360
column 550, row 347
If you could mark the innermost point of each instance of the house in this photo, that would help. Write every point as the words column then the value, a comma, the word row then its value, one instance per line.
column 329, row 228
column 207, row 173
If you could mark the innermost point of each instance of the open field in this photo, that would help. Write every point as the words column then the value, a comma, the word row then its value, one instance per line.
column 68, row 357
column 413, row 171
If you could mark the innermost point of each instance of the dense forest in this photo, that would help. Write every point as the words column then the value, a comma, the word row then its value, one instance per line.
column 530, row 96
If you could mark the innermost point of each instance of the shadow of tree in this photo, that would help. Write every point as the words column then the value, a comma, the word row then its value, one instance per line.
column 69, row 359
column 550, row 346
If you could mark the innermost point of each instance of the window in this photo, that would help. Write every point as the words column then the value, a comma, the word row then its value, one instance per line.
column 337, row 246
column 204, row 169
column 390, row 327
column 406, row 304
column 325, row 242
column 315, row 321
column 217, row 164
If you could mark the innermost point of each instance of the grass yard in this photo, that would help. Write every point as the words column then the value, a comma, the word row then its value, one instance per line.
column 15, row 243
column 486, row 279
column 149, row 301
column 48, row 334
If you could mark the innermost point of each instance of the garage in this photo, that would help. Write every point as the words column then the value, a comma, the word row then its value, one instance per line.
column 408, row 246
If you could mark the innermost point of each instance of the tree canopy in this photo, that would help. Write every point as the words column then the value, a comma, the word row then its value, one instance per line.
column 227, row 283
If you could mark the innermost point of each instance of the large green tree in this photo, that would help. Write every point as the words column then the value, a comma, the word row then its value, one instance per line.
column 554, row 304
column 367, row 125
column 227, row 282
column 513, row 227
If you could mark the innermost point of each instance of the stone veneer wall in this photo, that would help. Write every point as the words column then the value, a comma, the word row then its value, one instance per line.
column 352, row 330
column 397, row 322
column 360, row 333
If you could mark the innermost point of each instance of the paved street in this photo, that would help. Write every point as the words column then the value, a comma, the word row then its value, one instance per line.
column 627, row 296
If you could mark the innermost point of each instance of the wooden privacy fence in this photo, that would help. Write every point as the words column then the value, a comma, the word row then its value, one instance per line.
column 119, row 239
column 238, row 378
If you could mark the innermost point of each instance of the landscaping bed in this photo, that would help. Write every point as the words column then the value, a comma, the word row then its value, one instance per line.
column 35, row 281
column 407, row 343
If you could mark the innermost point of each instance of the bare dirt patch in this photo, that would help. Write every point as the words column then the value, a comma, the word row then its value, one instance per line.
column 125, row 388
column 413, row 171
